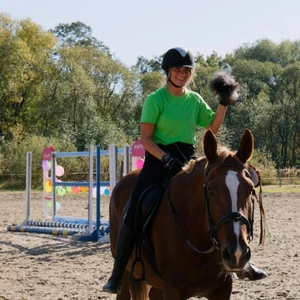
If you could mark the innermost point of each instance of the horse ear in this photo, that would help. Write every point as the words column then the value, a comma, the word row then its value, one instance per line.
column 210, row 145
column 246, row 147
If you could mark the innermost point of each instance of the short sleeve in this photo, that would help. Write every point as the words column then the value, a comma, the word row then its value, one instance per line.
column 151, row 110
column 205, row 114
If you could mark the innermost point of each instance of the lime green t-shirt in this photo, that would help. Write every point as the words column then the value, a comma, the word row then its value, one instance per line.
column 176, row 118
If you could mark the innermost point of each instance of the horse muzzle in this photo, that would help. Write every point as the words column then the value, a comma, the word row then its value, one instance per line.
column 235, row 258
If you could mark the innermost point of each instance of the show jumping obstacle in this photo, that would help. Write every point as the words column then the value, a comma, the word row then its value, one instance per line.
column 81, row 229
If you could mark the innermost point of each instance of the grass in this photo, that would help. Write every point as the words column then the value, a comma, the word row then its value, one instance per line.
column 283, row 189
column 270, row 189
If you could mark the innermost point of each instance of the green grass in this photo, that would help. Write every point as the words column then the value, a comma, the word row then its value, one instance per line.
column 284, row 189
column 270, row 189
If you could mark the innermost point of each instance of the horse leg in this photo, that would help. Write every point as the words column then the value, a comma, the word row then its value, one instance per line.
column 172, row 293
column 139, row 290
column 223, row 290
column 155, row 294
column 124, row 293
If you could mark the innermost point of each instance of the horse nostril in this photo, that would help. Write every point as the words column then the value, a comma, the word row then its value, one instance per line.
column 225, row 254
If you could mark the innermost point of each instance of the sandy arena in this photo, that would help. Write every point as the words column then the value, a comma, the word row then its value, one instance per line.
column 43, row 267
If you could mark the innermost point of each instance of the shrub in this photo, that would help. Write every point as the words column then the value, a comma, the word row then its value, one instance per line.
column 262, row 160
column 13, row 168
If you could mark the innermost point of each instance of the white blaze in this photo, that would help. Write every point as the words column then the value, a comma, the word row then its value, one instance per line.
column 232, row 183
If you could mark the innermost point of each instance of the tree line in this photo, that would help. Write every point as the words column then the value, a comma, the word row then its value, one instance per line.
column 65, row 86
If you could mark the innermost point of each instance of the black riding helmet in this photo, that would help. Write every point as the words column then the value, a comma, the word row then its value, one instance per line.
column 177, row 57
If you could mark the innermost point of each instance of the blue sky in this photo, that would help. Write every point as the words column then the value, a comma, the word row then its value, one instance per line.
column 136, row 27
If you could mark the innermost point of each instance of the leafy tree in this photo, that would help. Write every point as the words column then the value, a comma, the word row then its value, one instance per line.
column 78, row 34
column 289, row 116
column 269, row 77
column 87, row 83
column 24, row 56
column 265, row 50
column 144, row 65
column 150, row 82
column 101, row 131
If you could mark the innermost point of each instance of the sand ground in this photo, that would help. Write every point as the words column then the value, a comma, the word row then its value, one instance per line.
column 39, row 266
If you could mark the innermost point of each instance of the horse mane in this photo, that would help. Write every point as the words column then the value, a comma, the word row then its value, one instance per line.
column 223, row 154
column 190, row 166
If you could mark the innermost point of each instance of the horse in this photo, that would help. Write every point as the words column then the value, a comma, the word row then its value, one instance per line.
column 202, row 227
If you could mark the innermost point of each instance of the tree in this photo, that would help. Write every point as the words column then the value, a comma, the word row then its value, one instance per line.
column 269, row 75
column 289, row 116
column 25, row 50
column 144, row 65
column 150, row 82
column 265, row 50
column 78, row 34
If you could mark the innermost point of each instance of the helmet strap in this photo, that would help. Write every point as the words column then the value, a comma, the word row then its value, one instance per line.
column 175, row 85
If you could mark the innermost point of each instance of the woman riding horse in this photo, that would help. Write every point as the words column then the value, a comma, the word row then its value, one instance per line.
column 170, row 116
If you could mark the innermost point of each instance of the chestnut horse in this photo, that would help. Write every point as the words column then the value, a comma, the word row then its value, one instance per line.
column 202, row 228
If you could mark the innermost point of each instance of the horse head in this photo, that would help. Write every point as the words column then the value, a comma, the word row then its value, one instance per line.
column 229, row 196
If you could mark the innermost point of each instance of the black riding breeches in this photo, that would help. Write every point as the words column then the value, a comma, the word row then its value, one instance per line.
column 153, row 172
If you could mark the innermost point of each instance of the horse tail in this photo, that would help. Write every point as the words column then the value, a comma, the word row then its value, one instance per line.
column 139, row 290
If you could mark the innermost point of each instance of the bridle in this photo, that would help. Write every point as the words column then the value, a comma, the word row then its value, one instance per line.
column 214, row 227
column 235, row 216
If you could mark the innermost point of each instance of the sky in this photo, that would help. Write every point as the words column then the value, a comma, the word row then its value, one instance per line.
column 149, row 28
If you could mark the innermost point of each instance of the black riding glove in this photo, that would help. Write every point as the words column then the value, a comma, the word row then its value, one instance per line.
column 171, row 163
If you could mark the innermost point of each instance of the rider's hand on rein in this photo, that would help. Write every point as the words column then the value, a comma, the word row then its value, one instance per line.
column 171, row 163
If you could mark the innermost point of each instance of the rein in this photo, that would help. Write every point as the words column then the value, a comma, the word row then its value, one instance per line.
column 208, row 251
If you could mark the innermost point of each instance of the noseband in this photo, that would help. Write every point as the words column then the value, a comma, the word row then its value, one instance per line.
column 231, row 217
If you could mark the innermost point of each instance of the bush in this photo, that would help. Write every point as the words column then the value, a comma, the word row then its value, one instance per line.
column 266, row 166
column 13, row 162
column 13, row 168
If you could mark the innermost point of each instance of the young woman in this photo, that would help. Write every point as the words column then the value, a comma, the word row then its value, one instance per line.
column 169, row 120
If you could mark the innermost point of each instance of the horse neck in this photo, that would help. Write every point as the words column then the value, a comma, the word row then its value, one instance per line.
column 187, row 196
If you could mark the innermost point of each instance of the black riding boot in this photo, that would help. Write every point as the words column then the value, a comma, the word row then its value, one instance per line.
column 252, row 273
column 125, row 244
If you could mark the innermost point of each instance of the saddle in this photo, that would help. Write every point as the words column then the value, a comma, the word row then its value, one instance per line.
column 147, row 208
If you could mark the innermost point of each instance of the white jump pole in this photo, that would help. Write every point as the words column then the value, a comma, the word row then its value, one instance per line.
column 113, row 159
column 91, row 181
column 28, row 183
